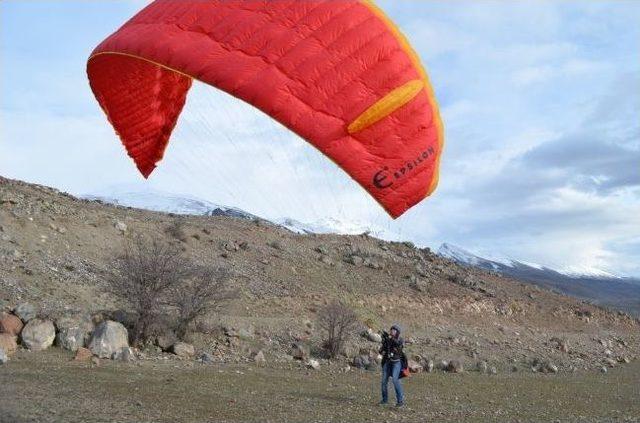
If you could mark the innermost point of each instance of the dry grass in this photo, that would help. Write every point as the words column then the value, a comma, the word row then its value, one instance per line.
column 47, row 387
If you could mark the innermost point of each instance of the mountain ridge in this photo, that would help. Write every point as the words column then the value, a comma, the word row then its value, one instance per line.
column 602, row 288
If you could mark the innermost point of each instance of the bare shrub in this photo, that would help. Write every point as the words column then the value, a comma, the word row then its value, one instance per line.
column 176, row 230
column 161, row 286
column 338, row 321
column 206, row 287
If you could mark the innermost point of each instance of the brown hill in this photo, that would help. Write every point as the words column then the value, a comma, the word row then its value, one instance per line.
column 55, row 249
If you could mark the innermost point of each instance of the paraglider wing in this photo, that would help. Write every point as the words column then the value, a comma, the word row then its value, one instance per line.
column 337, row 73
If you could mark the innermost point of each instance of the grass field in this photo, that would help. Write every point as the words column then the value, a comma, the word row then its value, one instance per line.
column 48, row 387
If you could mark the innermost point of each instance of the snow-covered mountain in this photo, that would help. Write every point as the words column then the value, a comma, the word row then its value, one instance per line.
column 179, row 204
column 167, row 203
column 335, row 226
column 595, row 285
column 499, row 262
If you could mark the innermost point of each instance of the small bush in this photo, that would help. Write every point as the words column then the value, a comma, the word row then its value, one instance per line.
column 205, row 288
column 338, row 321
column 176, row 230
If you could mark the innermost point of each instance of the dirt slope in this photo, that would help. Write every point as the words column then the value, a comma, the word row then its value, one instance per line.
column 55, row 248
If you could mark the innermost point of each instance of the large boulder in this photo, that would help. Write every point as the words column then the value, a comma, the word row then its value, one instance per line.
column 10, row 324
column 25, row 311
column 108, row 338
column 73, row 332
column 8, row 343
column 38, row 334
column 182, row 349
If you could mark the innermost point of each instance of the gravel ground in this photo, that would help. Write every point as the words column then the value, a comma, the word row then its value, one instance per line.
column 49, row 387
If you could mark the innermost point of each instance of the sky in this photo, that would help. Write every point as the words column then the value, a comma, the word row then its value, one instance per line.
column 540, row 102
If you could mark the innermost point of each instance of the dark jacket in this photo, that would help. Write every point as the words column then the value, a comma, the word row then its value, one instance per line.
column 391, row 349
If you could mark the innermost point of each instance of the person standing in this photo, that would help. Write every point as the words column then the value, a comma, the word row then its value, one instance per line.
column 392, row 354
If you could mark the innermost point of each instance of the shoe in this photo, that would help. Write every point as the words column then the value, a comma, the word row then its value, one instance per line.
column 400, row 404
column 382, row 403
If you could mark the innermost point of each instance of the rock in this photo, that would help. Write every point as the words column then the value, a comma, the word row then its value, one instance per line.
column 300, row 351
column 561, row 344
column 373, row 336
column 493, row 370
column 355, row 260
column 182, row 349
column 73, row 332
column 313, row 364
column 127, row 319
column 276, row 245
column 125, row 354
column 482, row 366
column 3, row 357
column 95, row 361
column 259, row 357
column 378, row 359
column 38, row 334
column 322, row 250
column 610, row 362
column 206, row 358
column 361, row 362
column 107, row 338
column 25, row 311
column 121, row 226
column 608, row 353
column 414, row 366
column 231, row 246
column 429, row 366
column 83, row 354
column 166, row 340
column 10, row 324
column 419, row 285
column 603, row 369
column 455, row 366
column 8, row 343
column 443, row 365
column 625, row 360
column 543, row 366
column 245, row 333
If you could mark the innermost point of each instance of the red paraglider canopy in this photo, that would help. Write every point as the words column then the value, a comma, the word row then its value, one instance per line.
column 337, row 73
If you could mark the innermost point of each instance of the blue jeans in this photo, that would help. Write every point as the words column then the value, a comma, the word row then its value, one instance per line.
column 392, row 368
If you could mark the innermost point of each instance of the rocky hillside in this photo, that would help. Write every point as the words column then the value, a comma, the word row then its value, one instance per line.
column 596, row 286
column 55, row 249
